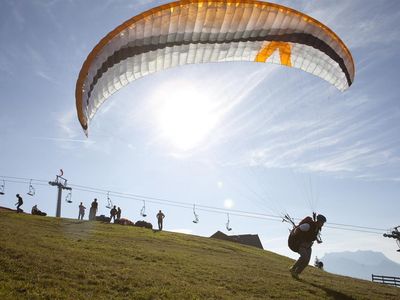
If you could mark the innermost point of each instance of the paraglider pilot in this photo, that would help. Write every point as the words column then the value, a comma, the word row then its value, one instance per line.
column 301, row 239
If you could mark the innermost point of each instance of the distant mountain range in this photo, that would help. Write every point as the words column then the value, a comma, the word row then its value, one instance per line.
column 360, row 264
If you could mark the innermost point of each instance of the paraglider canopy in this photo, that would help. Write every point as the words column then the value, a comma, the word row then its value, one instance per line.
column 195, row 31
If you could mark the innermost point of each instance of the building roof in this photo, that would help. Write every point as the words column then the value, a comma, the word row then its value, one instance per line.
column 244, row 239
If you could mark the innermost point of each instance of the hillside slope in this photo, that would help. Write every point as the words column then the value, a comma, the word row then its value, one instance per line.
column 49, row 258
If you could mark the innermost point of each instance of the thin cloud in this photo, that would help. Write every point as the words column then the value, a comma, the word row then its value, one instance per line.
column 5, row 64
column 342, row 137
column 64, row 140
column 66, row 124
column 359, row 26
column 43, row 75
column 18, row 18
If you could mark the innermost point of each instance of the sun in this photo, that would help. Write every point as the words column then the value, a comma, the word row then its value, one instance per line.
column 228, row 203
column 185, row 114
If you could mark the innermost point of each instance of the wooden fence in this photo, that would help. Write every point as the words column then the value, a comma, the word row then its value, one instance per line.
column 389, row 280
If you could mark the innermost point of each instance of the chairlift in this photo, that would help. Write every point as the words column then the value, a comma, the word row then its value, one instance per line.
column 143, row 210
column 196, row 216
column 319, row 239
column 394, row 233
column 68, row 198
column 2, row 188
column 31, row 191
column 109, row 202
column 398, row 244
column 227, row 224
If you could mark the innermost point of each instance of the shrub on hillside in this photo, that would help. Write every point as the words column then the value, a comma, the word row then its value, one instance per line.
column 103, row 218
column 144, row 224
column 123, row 221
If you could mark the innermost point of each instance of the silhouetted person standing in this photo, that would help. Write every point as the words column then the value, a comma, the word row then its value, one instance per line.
column 160, row 218
column 19, row 203
column 113, row 213
column 81, row 211
column 93, row 209
column 119, row 211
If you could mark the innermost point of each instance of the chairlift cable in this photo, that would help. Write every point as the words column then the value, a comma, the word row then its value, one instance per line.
column 198, row 207
column 24, row 182
column 221, row 210
column 354, row 230
column 25, row 179
column 338, row 226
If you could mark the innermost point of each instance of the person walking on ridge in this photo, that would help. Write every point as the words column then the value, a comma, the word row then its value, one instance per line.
column 119, row 211
column 19, row 203
column 160, row 218
column 81, row 211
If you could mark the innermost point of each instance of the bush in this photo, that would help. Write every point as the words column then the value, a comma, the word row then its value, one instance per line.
column 144, row 224
column 103, row 218
column 123, row 221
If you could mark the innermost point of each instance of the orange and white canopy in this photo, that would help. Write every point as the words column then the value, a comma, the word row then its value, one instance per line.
column 196, row 31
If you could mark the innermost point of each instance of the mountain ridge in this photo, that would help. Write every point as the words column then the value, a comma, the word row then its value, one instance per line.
column 360, row 264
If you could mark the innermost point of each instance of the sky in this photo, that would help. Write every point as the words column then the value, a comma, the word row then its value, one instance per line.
column 246, row 137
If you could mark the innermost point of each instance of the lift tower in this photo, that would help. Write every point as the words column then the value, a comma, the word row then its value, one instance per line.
column 61, row 184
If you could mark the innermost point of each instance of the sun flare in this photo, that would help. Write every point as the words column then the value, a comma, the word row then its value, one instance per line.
column 185, row 114
column 228, row 203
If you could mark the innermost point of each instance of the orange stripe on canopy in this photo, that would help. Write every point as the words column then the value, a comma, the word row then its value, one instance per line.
column 284, row 49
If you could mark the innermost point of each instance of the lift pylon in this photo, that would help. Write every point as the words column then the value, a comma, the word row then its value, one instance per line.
column 61, row 184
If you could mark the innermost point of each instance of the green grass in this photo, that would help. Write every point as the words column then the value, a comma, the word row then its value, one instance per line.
column 49, row 258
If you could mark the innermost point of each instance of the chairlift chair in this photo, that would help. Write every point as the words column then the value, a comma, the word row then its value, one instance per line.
column 196, row 216
column 395, row 234
column 143, row 210
column 2, row 188
column 109, row 202
column 68, row 198
column 31, row 191
column 319, row 239
column 227, row 224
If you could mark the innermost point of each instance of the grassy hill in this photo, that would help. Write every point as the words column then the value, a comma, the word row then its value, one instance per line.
column 49, row 258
